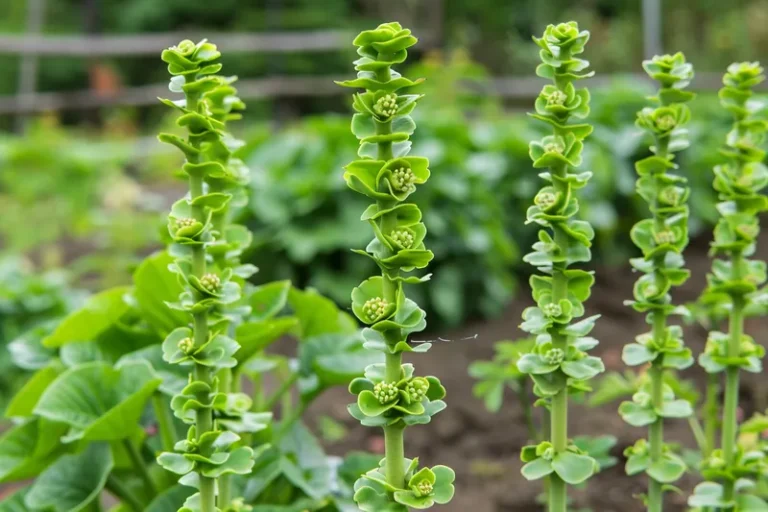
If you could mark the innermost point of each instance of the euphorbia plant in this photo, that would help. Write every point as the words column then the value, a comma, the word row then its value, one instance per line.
column 735, row 282
column 661, row 238
column 206, row 248
column 391, row 395
column 559, row 363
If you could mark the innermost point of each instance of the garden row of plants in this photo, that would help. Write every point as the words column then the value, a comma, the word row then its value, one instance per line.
column 162, row 393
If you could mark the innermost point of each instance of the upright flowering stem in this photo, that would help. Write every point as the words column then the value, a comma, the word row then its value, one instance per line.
column 206, row 251
column 391, row 396
column 735, row 280
column 558, row 363
column 662, row 239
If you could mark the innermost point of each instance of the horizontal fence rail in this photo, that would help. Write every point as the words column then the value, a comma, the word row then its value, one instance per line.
column 137, row 45
column 515, row 88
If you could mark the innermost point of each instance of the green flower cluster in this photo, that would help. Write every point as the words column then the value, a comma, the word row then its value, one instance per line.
column 736, row 284
column 559, row 361
column 662, row 239
column 207, row 248
column 390, row 396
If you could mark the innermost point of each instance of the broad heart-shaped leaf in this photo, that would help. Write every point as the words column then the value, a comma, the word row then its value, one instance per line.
column 318, row 315
column 28, row 448
column 174, row 376
column 73, row 481
column 99, row 402
column 574, row 468
column 154, row 286
column 334, row 359
column 26, row 398
column 269, row 299
column 170, row 500
column 255, row 336
column 98, row 314
column 15, row 502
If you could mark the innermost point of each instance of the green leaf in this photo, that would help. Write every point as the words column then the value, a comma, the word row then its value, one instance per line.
column 635, row 354
column 23, row 403
column 15, row 502
column 72, row 482
column 668, row 469
column 28, row 448
column 254, row 337
column 170, row 500
column 583, row 368
column 269, row 299
column 317, row 314
column 99, row 313
column 154, row 286
column 99, row 402
column 574, row 468
column 537, row 468
column 637, row 415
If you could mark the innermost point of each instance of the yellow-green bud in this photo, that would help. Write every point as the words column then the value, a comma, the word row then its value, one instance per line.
column 545, row 199
column 552, row 309
column 554, row 147
column 417, row 388
column 665, row 236
column 386, row 106
column 402, row 237
column 666, row 122
column 554, row 356
column 375, row 307
column 403, row 179
column 423, row 488
column 211, row 282
column 556, row 98
column 186, row 345
column 385, row 392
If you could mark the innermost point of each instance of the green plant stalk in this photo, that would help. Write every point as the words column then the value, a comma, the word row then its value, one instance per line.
column 121, row 491
column 394, row 445
column 141, row 468
column 525, row 403
column 558, row 490
column 164, row 422
column 204, row 416
column 731, row 400
column 711, row 413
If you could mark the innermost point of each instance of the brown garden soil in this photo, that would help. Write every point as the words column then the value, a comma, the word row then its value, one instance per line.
column 484, row 448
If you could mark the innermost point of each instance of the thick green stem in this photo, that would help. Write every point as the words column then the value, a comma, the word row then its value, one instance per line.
column 656, row 431
column 711, row 413
column 558, row 491
column 164, row 422
column 394, row 449
column 141, row 468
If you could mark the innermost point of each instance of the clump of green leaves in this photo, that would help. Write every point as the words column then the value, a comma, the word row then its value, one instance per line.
column 206, row 249
column 559, row 363
column 735, row 285
column 391, row 395
column 662, row 239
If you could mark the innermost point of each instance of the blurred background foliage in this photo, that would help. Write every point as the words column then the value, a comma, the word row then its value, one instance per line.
column 85, row 190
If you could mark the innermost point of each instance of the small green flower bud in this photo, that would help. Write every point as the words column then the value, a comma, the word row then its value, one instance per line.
column 184, row 222
column 417, row 388
column 748, row 231
column 186, row 47
column 554, row 147
column 670, row 195
column 716, row 462
column 386, row 106
column 402, row 238
column 423, row 488
column 650, row 290
column 403, row 179
column 186, row 345
column 666, row 122
column 554, row 356
column 545, row 199
column 745, row 180
column 210, row 282
column 556, row 98
column 552, row 310
column 747, row 348
column 374, row 308
column 665, row 236
column 385, row 392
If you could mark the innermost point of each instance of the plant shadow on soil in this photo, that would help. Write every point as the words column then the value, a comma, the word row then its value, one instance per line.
column 484, row 448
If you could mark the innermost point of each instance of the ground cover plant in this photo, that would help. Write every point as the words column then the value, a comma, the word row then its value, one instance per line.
column 391, row 395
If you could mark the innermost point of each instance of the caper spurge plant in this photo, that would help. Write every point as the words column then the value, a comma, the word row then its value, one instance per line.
column 735, row 280
column 391, row 395
column 559, row 363
column 662, row 239
column 206, row 250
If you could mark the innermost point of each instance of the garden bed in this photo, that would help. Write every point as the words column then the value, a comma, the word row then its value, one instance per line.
column 484, row 448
